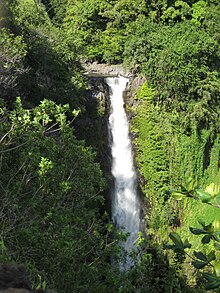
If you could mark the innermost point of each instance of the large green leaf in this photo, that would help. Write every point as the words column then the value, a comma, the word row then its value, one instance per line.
column 213, row 189
column 178, row 195
column 217, row 246
column 191, row 184
column 203, row 196
column 197, row 231
column 200, row 255
column 217, row 269
column 176, row 239
column 211, row 256
column 206, row 239
column 216, row 225
column 199, row 264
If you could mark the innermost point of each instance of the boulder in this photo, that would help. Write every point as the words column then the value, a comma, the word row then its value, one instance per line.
column 14, row 279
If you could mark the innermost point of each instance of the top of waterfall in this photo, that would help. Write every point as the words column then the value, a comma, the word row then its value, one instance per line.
column 105, row 70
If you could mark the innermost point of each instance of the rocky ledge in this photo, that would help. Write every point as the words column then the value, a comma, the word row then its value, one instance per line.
column 97, row 69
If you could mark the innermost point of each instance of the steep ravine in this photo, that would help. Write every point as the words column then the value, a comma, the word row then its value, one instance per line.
column 93, row 125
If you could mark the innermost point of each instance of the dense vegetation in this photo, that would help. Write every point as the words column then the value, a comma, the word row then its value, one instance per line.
column 52, row 215
column 52, row 205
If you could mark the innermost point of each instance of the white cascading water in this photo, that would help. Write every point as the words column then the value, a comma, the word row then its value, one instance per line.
column 125, row 201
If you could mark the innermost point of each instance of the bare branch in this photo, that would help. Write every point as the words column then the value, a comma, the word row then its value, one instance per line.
column 8, row 150
column 4, row 136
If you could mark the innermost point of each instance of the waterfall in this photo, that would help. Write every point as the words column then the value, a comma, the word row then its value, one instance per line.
column 125, row 201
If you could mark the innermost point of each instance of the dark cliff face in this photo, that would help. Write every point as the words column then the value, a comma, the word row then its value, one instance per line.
column 92, row 124
column 134, row 83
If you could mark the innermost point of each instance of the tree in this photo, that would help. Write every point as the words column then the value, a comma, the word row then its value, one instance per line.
column 174, row 68
column 53, row 187
column 12, row 53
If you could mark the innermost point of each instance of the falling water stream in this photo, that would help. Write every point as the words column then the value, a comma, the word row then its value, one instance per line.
column 125, row 201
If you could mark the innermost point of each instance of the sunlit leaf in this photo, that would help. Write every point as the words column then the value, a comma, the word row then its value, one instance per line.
column 216, row 225
column 191, row 184
column 178, row 195
column 203, row 196
column 217, row 269
column 213, row 189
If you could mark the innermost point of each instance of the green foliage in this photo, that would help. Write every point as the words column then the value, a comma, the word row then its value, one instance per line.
column 29, row 13
column 198, row 11
column 56, row 9
column 171, row 66
column 54, row 189
column 180, row 11
column 53, row 69
column 202, row 260
column 211, row 194
column 112, row 45
column 179, row 245
column 181, row 110
column 211, row 20
column 51, row 180
column 84, row 23
column 12, row 68
column 91, row 25
column 153, row 164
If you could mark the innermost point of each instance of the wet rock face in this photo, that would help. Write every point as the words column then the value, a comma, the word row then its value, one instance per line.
column 134, row 84
column 92, row 125
column 14, row 279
